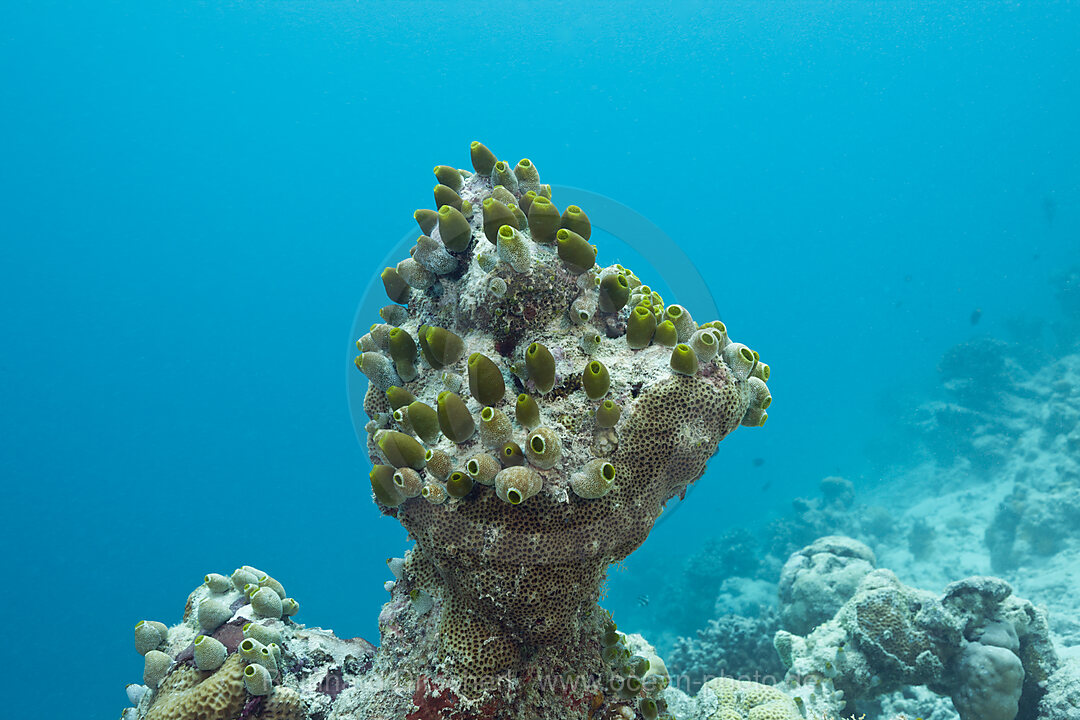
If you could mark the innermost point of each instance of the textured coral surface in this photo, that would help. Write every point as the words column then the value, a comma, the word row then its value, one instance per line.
column 188, row 693
column 728, row 699
column 595, row 400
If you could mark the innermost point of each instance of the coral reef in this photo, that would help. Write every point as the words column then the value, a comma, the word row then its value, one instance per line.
column 908, row 703
column 1062, row 699
column 513, row 556
column 1034, row 521
column 984, row 382
column 733, row 580
column 1039, row 518
column 977, row 643
column 732, row 645
column 1006, row 499
column 1020, row 502
column 835, row 509
column 977, row 373
column 688, row 595
column 531, row 413
column 888, row 650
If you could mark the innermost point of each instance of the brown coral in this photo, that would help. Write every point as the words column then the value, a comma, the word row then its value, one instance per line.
column 190, row 694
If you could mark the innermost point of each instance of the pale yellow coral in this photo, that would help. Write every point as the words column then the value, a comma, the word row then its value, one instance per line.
column 744, row 700
column 282, row 704
column 187, row 693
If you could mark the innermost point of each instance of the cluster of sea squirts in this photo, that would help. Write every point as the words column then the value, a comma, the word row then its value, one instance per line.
column 503, row 221
column 633, row 678
column 214, row 650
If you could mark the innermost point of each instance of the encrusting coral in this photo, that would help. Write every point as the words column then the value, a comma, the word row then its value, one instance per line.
column 730, row 699
column 608, row 421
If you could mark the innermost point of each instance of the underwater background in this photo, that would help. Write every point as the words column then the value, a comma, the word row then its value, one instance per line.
column 195, row 198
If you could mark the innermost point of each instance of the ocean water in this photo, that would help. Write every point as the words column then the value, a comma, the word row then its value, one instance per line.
column 196, row 197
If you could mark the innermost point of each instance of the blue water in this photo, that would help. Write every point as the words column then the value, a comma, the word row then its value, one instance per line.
column 193, row 198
